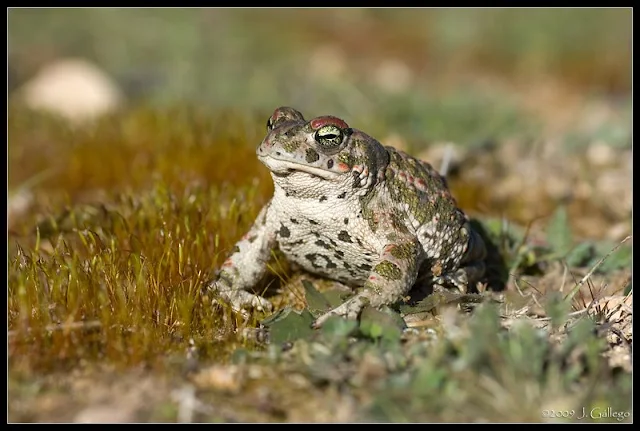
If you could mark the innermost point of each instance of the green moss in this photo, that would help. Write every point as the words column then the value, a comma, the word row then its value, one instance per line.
column 126, row 273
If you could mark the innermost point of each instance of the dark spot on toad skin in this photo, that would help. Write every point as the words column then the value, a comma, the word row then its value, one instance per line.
column 342, row 195
column 311, row 257
column 322, row 244
column 344, row 236
column 346, row 265
column 294, row 221
column 323, row 198
column 330, row 264
column 284, row 232
column 312, row 155
column 251, row 239
column 356, row 179
column 236, row 249
column 340, row 253
column 313, row 222
column 365, row 267
column 346, row 220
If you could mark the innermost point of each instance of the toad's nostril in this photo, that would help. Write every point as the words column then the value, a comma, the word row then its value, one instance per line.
column 277, row 153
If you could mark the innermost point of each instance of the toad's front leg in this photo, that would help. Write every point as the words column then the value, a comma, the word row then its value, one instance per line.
column 390, row 279
column 246, row 265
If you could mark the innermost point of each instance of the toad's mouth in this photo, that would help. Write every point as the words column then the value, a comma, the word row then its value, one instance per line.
column 285, row 168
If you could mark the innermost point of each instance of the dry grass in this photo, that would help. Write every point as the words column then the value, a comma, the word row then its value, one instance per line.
column 109, row 261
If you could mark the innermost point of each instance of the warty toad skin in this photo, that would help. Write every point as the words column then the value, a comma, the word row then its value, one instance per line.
column 350, row 209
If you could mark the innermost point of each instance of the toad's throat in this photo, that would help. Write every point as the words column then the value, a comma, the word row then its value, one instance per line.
column 284, row 168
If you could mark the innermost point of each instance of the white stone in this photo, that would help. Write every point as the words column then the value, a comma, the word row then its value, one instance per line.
column 72, row 88
column 393, row 76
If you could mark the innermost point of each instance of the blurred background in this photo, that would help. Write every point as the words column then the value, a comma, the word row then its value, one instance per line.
column 547, row 80
column 351, row 62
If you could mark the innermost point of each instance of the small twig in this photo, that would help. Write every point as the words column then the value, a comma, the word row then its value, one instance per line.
column 584, row 279
column 564, row 276
column 515, row 282
column 446, row 160
column 572, row 314
column 621, row 336
column 619, row 307
column 528, row 283
column 594, row 303
column 540, row 322
column 59, row 327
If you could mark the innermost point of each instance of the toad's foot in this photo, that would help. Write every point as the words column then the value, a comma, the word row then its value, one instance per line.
column 240, row 299
column 350, row 309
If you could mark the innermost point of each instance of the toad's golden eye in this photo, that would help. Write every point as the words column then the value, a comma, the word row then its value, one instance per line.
column 329, row 136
